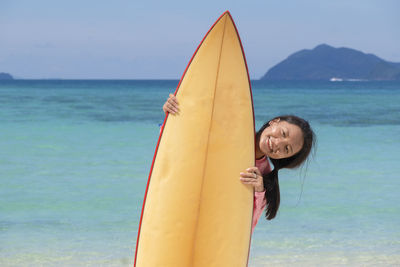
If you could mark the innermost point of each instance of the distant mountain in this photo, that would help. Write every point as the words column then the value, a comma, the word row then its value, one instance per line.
column 5, row 76
column 325, row 62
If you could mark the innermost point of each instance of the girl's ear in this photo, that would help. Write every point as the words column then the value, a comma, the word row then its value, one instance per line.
column 274, row 121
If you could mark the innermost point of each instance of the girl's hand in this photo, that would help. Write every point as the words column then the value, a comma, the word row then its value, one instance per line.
column 171, row 105
column 252, row 176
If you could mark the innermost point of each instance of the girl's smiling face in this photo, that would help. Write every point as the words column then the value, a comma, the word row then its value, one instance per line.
column 281, row 140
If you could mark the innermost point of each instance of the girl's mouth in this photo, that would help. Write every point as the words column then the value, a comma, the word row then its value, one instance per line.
column 269, row 144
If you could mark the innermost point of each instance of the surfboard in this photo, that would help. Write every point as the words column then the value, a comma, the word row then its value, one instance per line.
column 196, row 212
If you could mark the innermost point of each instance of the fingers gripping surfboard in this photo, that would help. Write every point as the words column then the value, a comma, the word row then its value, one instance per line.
column 196, row 211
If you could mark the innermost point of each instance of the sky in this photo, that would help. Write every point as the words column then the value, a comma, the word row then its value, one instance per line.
column 147, row 39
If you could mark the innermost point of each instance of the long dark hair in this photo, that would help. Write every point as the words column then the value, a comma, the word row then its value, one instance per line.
column 271, row 183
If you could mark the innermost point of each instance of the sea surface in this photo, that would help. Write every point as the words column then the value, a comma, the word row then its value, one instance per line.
column 75, row 157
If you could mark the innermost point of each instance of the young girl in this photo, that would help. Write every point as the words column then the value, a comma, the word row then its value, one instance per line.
column 286, row 141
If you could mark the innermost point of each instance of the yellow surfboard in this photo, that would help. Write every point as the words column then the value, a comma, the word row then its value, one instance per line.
column 196, row 212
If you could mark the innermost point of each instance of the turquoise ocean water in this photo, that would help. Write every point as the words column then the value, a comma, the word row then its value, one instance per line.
column 75, row 158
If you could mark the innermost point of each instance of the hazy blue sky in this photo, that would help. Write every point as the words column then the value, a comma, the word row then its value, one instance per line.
column 155, row 39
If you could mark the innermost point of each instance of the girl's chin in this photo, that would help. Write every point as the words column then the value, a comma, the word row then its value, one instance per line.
column 265, row 152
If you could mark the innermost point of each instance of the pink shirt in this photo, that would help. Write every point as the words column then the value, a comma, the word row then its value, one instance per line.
column 259, row 197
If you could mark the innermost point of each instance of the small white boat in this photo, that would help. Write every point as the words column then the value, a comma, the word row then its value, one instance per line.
column 335, row 79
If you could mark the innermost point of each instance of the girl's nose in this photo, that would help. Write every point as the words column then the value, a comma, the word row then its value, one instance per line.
column 279, row 145
column 275, row 144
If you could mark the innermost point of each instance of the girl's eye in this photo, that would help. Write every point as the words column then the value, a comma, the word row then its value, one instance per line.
column 283, row 134
column 287, row 150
